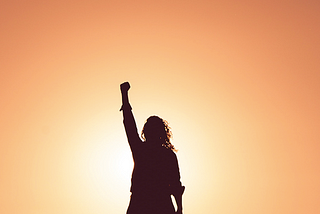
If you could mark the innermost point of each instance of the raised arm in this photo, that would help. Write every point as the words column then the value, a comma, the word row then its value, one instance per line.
column 128, row 118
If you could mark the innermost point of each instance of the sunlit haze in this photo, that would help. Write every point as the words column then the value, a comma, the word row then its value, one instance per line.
column 238, row 82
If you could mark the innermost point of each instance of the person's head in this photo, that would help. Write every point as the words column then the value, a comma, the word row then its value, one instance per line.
column 157, row 130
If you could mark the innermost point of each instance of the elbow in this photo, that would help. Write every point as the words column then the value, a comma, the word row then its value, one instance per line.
column 178, row 191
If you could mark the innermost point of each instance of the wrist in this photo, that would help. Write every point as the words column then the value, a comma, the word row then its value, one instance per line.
column 124, row 92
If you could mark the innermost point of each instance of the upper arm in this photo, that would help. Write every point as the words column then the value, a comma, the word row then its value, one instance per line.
column 175, row 173
column 131, row 129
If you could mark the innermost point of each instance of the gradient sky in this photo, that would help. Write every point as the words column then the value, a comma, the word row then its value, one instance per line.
column 238, row 82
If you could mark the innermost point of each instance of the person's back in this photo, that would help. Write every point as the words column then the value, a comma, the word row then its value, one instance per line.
column 154, row 168
column 156, row 173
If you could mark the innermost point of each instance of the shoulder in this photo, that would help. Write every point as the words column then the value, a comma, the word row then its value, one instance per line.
column 169, row 153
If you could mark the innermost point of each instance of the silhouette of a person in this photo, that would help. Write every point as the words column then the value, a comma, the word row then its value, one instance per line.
column 155, row 175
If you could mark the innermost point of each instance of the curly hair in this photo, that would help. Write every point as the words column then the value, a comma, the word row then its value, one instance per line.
column 158, row 128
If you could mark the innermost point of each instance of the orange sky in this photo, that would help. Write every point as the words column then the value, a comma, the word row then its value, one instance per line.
column 238, row 81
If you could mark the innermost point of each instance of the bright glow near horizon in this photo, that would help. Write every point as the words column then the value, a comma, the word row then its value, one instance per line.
column 238, row 82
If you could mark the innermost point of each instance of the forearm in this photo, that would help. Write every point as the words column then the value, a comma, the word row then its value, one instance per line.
column 128, row 117
column 178, row 197
column 125, row 101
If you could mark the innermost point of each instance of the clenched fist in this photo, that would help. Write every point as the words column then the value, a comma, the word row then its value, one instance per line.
column 125, row 87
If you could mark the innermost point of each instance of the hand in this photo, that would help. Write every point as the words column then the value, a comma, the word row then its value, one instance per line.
column 125, row 87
